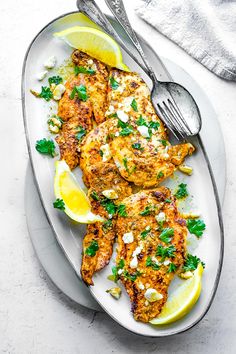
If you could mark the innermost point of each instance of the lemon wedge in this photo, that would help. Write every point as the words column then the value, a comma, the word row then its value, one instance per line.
column 77, row 205
column 95, row 43
column 182, row 300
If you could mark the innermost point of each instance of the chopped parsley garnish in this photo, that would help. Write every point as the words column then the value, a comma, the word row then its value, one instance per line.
column 92, row 248
column 166, row 235
column 196, row 227
column 165, row 252
column 137, row 146
column 191, row 263
column 125, row 164
column 46, row 147
column 109, row 206
column 140, row 121
column 94, row 195
column 113, row 83
column 126, row 128
column 121, row 210
column 150, row 263
column 154, row 125
column 131, row 277
column 81, row 93
column 164, row 142
column 101, row 153
column 83, row 70
column 145, row 232
column 115, row 269
column 167, row 200
column 134, row 105
column 172, row 268
column 46, row 93
column 59, row 204
column 81, row 132
column 55, row 80
column 182, row 191
column 107, row 225
column 160, row 175
column 147, row 211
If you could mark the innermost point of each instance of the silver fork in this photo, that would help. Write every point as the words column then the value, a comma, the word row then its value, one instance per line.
column 162, row 98
column 162, row 92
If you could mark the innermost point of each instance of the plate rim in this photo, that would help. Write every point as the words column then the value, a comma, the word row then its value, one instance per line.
column 217, row 200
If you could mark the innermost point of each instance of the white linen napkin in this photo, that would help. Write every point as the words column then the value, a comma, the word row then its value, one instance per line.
column 206, row 29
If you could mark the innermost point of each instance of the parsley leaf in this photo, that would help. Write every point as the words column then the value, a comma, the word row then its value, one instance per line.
column 154, row 125
column 46, row 147
column 81, row 93
column 172, row 268
column 46, row 93
column 196, row 226
column 131, row 277
column 113, row 83
column 83, row 70
column 81, row 132
column 59, row 204
column 150, row 263
column 121, row 209
column 191, row 263
column 160, row 175
column 141, row 121
column 164, row 142
column 126, row 131
column 109, row 206
column 134, row 105
column 137, row 146
column 147, row 211
column 125, row 161
column 182, row 191
column 165, row 252
column 55, row 80
column 167, row 200
column 107, row 225
column 166, row 235
column 94, row 195
column 92, row 248
column 115, row 269
column 145, row 232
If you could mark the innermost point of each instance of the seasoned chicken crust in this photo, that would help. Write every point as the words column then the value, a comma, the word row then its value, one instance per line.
column 153, row 271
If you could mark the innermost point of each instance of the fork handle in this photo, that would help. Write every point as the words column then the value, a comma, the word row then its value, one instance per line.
column 118, row 10
column 91, row 9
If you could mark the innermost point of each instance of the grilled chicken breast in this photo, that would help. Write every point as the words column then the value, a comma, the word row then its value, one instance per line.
column 141, row 151
column 79, row 114
column 151, row 249
column 107, row 190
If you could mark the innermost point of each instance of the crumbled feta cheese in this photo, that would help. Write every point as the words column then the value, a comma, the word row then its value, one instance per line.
column 90, row 61
column 110, row 216
column 110, row 194
column 134, row 262
column 152, row 295
column 141, row 286
column 166, row 156
column 122, row 116
column 117, row 134
column 42, row 75
column 50, row 62
column 166, row 262
column 128, row 237
column 155, row 260
column 106, row 152
column 186, row 275
column 146, row 303
column 58, row 92
column 120, row 271
column 137, row 251
column 160, row 217
column 143, row 131
column 186, row 169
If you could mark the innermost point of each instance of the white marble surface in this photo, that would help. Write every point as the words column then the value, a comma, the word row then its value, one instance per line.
column 34, row 316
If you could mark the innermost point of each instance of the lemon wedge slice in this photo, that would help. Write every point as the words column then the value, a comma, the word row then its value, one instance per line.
column 182, row 300
column 95, row 43
column 77, row 205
